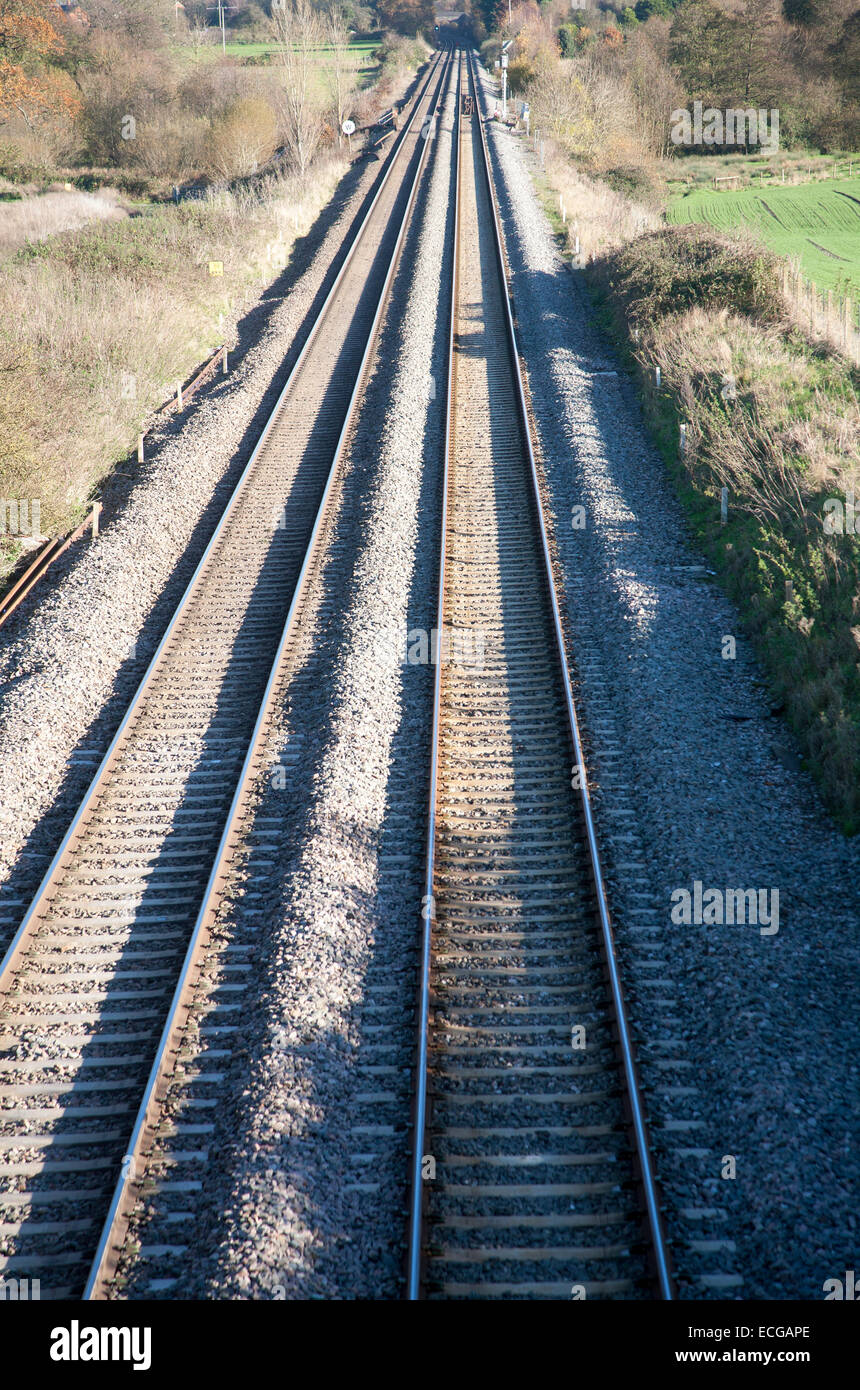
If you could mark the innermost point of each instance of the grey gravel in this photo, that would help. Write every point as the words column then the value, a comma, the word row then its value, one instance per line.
column 695, row 779
column 72, row 656
column 307, row 1197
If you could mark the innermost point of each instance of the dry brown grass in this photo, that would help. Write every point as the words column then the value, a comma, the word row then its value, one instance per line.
column 599, row 216
column 39, row 216
column 115, row 315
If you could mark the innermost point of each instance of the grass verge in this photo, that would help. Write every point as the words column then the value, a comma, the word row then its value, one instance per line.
column 116, row 313
column 773, row 418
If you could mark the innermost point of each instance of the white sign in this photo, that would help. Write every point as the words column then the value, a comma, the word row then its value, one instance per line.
column 348, row 127
column 504, row 60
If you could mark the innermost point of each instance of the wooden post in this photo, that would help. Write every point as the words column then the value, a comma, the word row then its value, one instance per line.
column 97, row 506
column 140, row 448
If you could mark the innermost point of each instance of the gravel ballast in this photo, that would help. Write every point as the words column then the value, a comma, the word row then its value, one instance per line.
column 73, row 655
column 696, row 780
column 745, row 1035
column 307, row 1197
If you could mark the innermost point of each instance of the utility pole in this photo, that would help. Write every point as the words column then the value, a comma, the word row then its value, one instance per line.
column 221, row 21
column 504, row 62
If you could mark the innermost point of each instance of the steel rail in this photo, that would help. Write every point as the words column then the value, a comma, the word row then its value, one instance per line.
column 625, row 1044
column 62, row 857
column 419, row 1120
column 625, row 1049
column 110, row 1242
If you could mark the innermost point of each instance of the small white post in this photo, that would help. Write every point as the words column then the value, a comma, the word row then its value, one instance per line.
column 724, row 505
column 97, row 506
column 683, row 439
column 140, row 448
column 224, row 360
column 657, row 377
column 179, row 405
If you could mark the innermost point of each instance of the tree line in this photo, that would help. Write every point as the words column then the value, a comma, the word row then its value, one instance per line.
column 143, row 86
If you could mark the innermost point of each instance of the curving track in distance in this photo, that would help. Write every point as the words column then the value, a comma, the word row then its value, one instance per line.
column 531, row 1169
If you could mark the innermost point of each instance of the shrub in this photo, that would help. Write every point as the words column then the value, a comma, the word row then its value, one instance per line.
column 663, row 273
column 243, row 139
column 567, row 40
column 520, row 73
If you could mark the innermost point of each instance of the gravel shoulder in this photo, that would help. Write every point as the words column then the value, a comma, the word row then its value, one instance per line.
column 696, row 779
column 72, row 656
column 306, row 1198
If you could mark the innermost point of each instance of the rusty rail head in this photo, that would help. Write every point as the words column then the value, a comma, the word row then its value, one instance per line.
column 40, row 566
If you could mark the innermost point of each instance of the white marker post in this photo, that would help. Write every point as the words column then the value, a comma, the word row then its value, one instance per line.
column 348, row 129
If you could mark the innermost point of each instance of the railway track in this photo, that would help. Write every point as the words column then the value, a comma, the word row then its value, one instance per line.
column 96, row 986
column 531, row 1171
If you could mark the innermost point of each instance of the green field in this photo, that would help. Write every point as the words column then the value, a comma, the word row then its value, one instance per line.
column 362, row 48
column 817, row 223
column 266, row 54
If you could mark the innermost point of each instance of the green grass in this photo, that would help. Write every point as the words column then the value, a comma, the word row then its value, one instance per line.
column 783, row 441
column 266, row 54
column 818, row 223
column 237, row 49
column 690, row 171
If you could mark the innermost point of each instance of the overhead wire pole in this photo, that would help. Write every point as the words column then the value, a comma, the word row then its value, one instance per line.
column 504, row 62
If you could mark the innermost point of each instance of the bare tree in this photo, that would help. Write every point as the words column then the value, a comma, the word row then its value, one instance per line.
column 341, row 64
column 299, row 33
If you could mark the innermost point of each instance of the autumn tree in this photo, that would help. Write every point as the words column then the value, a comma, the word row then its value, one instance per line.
column 29, row 39
column 699, row 41
column 407, row 16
